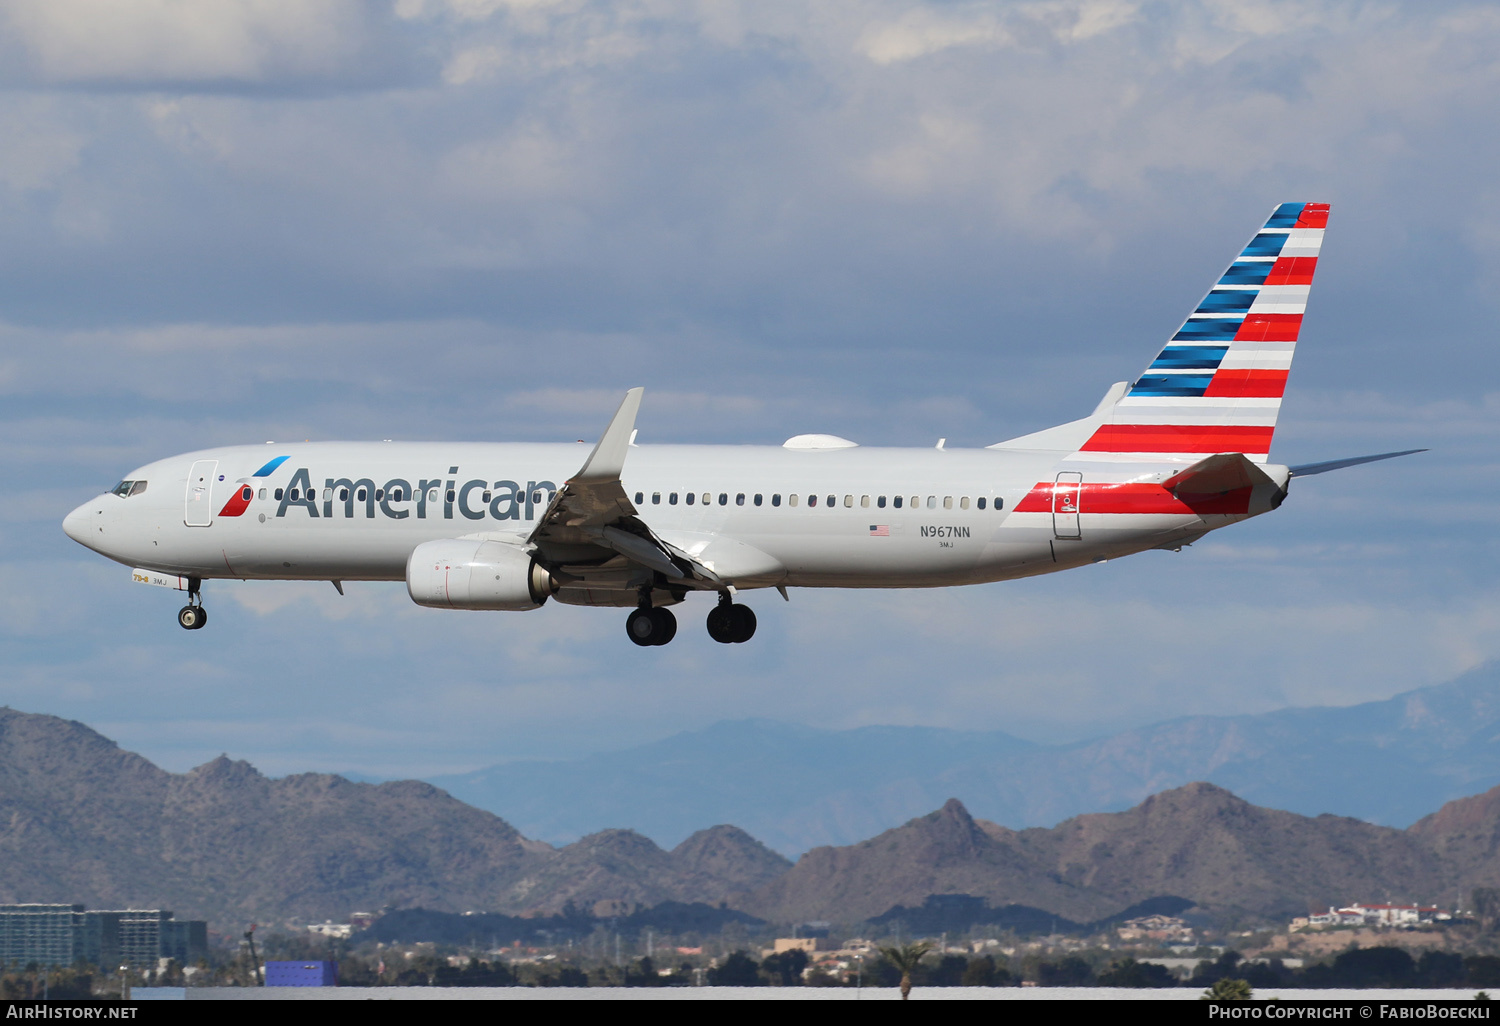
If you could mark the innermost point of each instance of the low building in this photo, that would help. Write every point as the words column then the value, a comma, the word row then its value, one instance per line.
column 811, row 945
column 1360, row 914
column 1163, row 929
column 302, row 974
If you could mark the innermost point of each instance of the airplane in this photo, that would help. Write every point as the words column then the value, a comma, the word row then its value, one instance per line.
column 1160, row 462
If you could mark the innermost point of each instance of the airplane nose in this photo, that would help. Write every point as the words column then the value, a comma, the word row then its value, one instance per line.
column 76, row 524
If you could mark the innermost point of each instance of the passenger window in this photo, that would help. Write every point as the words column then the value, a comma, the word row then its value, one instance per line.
column 812, row 500
column 947, row 502
column 432, row 495
column 262, row 493
column 294, row 495
column 487, row 495
column 361, row 495
column 832, row 501
column 724, row 499
column 963, row 503
column 916, row 500
column 739, row 500
column 327, row 493
column 535, row 496
column 999, row 502
column 932, row 502
column 343, row 494
column 247, row 493
column 707, row 498
column 640, row 497
column 672, row 499
column 450, row 495
column 776, row 498
column 278, row 494
column 849, row 501
column 880, row 502
column 864, row 502
column 397, row 495
column 757, row 498
column 896, row 502
column 981, row 502
column 791, row 500
column 690, row 497
column 656, row 498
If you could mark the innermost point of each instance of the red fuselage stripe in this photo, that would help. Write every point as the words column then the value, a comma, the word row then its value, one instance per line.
column 1136, row 497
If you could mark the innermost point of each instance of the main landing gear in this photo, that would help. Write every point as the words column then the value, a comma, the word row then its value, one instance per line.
column 651, row 625
column 192, row 616
column 730, row 623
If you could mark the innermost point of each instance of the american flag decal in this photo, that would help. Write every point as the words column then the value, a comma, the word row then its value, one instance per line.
column 880, row 531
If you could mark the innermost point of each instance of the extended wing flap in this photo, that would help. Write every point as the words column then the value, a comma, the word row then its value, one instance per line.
column 643, row 550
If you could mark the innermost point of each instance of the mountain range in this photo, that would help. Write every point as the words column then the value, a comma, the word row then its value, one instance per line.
column 83, row 821
column 796, row 787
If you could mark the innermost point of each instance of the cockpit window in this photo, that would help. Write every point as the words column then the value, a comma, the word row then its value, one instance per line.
column 128, row 488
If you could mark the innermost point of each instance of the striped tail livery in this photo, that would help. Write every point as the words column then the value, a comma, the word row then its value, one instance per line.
column 1217, row 385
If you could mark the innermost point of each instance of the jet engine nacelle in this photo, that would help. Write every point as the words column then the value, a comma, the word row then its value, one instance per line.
column 457, row 573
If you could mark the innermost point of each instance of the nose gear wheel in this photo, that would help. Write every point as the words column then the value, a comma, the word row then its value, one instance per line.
column 193, row 616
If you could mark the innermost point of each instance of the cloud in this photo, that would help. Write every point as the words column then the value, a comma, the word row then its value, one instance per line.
column 170, row 41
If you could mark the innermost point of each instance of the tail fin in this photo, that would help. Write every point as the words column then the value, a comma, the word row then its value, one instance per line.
column 1217, row 385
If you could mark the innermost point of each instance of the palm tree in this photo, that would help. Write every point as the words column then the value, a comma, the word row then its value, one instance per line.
column 906, row 958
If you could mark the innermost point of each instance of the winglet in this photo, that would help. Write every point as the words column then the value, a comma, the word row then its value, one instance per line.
column 608, row 458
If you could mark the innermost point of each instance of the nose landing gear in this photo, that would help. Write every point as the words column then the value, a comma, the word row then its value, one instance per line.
column 731, row 623
column 192, row 616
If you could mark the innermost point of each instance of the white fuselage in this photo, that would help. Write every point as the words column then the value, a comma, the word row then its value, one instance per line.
column 762, row 516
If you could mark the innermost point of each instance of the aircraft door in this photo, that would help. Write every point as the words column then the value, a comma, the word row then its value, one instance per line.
column 199, row 510
column 1067, row 495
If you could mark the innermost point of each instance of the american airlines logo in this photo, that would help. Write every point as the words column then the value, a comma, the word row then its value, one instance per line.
column 398, row 498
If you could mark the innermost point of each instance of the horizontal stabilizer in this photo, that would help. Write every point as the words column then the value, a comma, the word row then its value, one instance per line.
column 1309, row 469
column 1215, row 475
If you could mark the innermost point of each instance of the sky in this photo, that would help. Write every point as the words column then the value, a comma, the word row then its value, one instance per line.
column 227, row 221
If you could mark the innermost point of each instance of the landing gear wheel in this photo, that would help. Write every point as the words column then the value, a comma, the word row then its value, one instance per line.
column 744, row 622
column 669, row 625
column 192, row 617
column 731, row 623
column 721, row 624
column 648, row 627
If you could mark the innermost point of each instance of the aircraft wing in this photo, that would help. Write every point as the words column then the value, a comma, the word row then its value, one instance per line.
column 591, row 512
